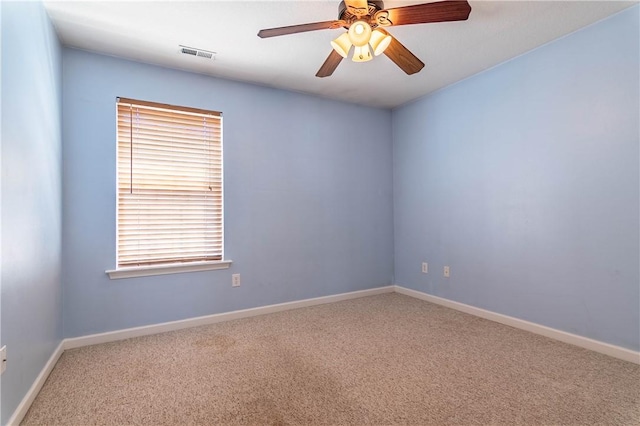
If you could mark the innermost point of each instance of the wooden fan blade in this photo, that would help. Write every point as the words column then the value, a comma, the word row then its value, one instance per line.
column 330, row 64
column 293, row 29
column 357, row 7
column 403, row 58
column 442, row 11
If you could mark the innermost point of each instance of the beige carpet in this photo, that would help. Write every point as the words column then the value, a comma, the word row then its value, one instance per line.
column 384, row 360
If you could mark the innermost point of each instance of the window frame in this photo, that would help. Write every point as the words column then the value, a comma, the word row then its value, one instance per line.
column 179, row 266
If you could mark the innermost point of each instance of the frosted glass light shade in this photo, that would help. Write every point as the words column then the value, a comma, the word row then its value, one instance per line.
column 380, row 40
column 362, row 54
column 342, row 45
column 359, row 33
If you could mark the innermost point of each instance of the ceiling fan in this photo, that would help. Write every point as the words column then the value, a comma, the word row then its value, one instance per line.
column 365, row 22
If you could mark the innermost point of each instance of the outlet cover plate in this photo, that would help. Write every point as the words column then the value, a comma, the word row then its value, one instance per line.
column 235, row 280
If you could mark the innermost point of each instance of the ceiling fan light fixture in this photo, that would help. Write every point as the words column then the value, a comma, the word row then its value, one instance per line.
column 380, row 40
column 359, row 33
column 362, row 54
column 342, row 45
column 361, row 17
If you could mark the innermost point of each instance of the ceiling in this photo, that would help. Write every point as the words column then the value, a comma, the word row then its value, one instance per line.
column 151, row 31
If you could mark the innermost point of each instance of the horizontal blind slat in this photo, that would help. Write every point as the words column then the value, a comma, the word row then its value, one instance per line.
column 149, row 246
column 148, row 252
column 177, row 135
column 194, row 158
column 136, row 111
column 165, row 260
column 141, row 117
column 146, row 121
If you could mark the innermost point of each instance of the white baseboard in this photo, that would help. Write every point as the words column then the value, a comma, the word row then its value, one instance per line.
column 28, row 399
column 112, row 336
column 94, row 339
column 563, row 336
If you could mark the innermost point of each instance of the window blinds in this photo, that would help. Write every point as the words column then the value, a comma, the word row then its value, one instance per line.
column 169, row 184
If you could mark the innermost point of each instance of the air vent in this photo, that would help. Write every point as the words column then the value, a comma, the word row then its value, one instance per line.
column 201, row 53
column 187, row 51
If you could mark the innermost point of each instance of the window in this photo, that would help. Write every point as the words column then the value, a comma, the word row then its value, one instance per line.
column 169, row 190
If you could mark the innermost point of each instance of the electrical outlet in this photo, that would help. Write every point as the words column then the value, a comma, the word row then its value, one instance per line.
column 425, row 267
column 235, row 280
column 3, row 358
column 447, row 271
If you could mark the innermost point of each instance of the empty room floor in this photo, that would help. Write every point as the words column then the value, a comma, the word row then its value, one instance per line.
column 387, row 359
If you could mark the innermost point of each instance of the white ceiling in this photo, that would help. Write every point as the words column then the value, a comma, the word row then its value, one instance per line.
column 150, row 31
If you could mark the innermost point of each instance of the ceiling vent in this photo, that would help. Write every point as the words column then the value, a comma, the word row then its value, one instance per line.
column 207, row 54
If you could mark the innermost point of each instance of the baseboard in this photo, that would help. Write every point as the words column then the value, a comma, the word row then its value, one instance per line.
column 76, row 342
column 28, row 399
column 563, row 336
column 128, row 333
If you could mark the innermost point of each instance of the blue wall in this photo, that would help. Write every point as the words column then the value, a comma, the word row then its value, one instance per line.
column 524, row 179
column 31, row 197
column 308, row 197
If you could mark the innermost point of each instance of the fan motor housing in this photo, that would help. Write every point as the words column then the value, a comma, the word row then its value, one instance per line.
column 344, row 14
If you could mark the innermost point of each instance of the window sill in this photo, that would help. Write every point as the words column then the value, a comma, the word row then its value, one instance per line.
column 175, row 268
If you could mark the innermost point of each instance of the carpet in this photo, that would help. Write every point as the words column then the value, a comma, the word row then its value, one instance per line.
column 383, row 360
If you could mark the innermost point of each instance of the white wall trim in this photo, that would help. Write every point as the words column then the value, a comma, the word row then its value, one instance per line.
column 94, row 339
column 164, row 269
column 28, row 399
column 128, row 333
column 563, row 336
